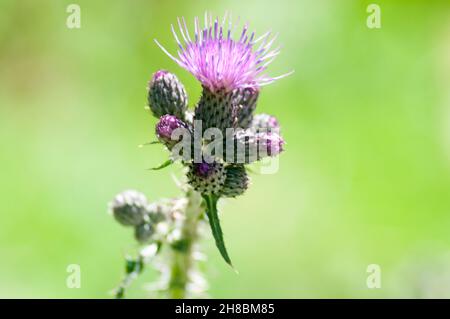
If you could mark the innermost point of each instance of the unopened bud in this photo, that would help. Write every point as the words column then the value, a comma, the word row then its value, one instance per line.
column 166, row 126
column 158, row 212
column 129, row 207
column 216, row 110
column 206, row 178
column 144, row 232
column 166, row 95
column 236, row 182
column 250, row 146
column 245, row 101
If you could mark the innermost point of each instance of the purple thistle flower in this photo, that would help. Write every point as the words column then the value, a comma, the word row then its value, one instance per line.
column 220, row 62
column 166, row 126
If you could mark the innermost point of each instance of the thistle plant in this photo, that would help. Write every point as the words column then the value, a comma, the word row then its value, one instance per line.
column 214, row 143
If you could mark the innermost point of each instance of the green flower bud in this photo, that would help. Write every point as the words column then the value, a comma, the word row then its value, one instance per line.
column 245, row 100
column 166, row 95
column 158, row 212
column 216, row 110
column 236, row 181
column 206, row 178
column 144, row 232
column 129, row 208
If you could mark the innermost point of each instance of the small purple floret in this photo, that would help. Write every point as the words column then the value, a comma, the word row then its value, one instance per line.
column 159, row 74
column 203, row 169
column 165, row 127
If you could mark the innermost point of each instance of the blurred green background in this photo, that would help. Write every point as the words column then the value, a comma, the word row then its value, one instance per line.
column 365, row 178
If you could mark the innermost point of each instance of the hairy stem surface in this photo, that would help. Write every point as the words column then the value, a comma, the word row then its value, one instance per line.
column 183, row 251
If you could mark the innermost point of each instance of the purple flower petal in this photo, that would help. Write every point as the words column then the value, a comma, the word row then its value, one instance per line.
column 223, row 63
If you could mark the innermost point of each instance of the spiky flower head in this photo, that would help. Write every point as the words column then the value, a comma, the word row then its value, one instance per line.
column 129, row 208
column 166, row 126
column 206, row 178
column 236, row 181
column 166, row 95
column 220, row 61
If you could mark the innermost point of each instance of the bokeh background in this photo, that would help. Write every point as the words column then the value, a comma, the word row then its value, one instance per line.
column 365, row 178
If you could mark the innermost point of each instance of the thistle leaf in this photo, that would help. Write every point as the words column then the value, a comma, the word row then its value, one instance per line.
column 163, row 165
column 214, row 222
column 149, row 143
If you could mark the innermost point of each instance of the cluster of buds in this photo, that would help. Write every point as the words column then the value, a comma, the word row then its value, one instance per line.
column 167, row 230
column 214, row 142
column 243, row 137
column 131, row 208
column 215, row 163
column 224, row 134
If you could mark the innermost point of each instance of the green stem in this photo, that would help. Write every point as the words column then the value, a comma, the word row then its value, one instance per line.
column 182, row 253
column 181, row 262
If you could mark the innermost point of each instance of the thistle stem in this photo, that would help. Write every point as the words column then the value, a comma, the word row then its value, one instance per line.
column 182, row 254
column 179, row 276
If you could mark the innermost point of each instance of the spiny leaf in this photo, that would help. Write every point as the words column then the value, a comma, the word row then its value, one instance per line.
column 149, row 143
column 214, row 222
column 163, row 165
